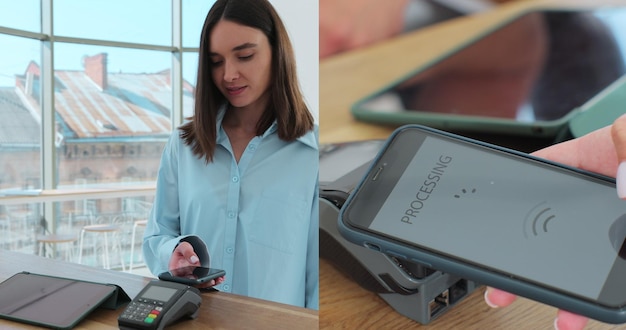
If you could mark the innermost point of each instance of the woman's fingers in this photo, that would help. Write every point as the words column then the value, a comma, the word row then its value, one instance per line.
column 618, row 134
column 569, row 321
column 497, row 298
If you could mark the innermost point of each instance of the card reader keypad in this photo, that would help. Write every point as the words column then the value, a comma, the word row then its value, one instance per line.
column 143, row 310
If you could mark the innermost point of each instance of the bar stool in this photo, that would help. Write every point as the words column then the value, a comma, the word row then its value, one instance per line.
column 138, row 223
column 53, row 240
column 103, row 229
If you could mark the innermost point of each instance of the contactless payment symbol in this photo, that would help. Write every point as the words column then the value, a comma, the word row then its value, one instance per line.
column 538, row 219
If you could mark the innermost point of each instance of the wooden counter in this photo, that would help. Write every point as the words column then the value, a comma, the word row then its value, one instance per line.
column 218, row 310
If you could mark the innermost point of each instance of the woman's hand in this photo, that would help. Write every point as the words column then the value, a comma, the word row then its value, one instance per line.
column 602, row 151
column 184, row 256
column 349, row 24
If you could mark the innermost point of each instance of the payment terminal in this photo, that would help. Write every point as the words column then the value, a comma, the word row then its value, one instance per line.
column 160, row 304
column 413, row 290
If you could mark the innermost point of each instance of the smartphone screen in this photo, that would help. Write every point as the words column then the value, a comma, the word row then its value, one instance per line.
column 501, row 211
column 192, row 275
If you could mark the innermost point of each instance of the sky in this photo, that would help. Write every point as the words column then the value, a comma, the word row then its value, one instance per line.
column 142, row 21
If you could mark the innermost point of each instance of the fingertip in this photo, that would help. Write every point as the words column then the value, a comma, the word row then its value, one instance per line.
column 620, row 180
column 496, row 298
column 488, row 301
column 618, row 134
column 569, row 321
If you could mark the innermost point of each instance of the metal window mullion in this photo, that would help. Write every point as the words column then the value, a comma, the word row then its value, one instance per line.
column 23, row 33
column 111, row 43
column 177, row 64
column 48, row 146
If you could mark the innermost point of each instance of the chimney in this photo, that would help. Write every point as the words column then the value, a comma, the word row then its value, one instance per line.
column 96, row 69
column 30, row 79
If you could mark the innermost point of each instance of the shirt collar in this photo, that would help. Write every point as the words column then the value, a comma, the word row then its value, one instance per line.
column 222, row 138
column 309, row 139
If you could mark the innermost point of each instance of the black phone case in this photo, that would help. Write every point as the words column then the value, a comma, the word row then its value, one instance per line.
column 166, row 276
column 468, row 271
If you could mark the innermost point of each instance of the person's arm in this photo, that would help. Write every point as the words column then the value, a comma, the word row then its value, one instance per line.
column 312, row 262
column 348, row 24
column 162, row 235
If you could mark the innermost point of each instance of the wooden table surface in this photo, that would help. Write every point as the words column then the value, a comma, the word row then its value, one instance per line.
column 218, row 310
column 348, row 77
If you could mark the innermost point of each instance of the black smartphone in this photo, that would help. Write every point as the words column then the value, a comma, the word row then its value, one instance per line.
column 542, row 230
column 192, row 275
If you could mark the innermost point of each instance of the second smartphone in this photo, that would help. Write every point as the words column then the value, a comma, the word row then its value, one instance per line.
column 535, row 228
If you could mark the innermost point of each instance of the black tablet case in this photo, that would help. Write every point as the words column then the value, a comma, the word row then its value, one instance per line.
column 110, row 299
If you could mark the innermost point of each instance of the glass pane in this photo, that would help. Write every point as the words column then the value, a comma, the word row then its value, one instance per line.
column 123, row 219
column 20, row 160
column 22, row 15
column 113, row 110
column 190, row 72
column 194, row 13
column 138, row 21
column 19, row 226
column 22, row 229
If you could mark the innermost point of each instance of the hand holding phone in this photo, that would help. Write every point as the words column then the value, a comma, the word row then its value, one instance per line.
column 194, row 275
column 522, row 224
column 183, row 255
column 598, row 152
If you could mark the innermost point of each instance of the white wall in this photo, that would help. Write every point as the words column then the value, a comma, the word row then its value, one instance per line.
column 301, row 20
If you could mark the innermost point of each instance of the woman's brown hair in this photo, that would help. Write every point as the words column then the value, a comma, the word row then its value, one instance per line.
column 286, row 104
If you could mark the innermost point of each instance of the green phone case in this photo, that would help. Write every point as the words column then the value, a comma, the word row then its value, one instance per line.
column 593, row 114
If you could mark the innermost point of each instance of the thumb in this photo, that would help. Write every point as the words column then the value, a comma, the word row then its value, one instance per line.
column 618, row 133
column 188, row 253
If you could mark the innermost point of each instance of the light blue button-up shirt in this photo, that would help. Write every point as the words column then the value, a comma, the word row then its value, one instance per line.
column 258, row 218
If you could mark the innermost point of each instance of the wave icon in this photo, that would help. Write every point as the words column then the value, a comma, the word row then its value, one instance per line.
column 537, row 220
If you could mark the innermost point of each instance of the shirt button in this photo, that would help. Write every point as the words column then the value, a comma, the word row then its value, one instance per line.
column 235, row 179
column 252, row 147
column 226, row 287
column 231, row 214
column 229, row 250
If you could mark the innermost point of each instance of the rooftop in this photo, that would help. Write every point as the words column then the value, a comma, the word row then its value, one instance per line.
column 18, row 126
column 92, row 103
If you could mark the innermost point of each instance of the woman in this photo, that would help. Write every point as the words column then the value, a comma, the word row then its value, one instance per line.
column 239, row 179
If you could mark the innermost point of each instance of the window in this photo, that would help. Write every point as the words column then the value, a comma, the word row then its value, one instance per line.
column 112, row 92
column 136, row 21
column 113, row 109
column 21, row 15
column 110, row 107
column 20, row 147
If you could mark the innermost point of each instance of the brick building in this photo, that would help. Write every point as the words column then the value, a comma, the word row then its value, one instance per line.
column 111, row 127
